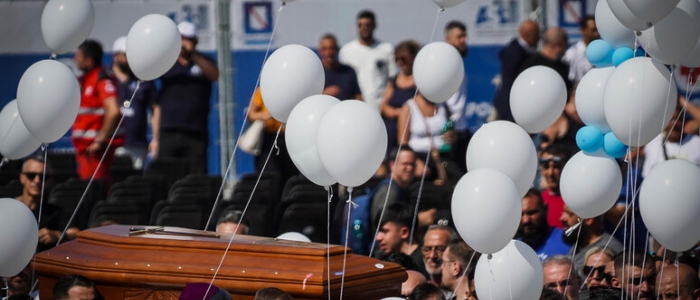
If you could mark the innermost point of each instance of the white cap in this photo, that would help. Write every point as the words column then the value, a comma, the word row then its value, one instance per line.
column 187, row 30
column 119, row 45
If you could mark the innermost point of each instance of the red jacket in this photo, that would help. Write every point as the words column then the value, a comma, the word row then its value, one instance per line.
column 96, row 85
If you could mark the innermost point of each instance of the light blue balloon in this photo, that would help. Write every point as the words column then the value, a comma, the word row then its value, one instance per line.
column 589, row 139
column 599, row 53
column 613, row 146
column 622, row 54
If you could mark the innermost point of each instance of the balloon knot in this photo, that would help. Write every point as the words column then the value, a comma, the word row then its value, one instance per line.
column 354, row 205
column 127, row 104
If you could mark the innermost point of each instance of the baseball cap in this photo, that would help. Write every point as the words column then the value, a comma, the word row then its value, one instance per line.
column 187, row 29
column 119, row 45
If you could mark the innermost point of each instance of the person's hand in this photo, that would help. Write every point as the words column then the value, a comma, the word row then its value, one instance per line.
column 48, row 237
column 427, row 217
column 332, row 90
column 188, row 46
column 450, row 137
column 94, row 148
column 682, row 101
column 153, row 148
column 265, row 116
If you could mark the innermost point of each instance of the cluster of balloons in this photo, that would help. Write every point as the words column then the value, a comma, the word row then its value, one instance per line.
column 153, row 45
column 48, row 99
column 328, row 140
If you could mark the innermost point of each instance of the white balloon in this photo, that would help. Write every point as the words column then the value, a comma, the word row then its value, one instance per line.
column 48, row 98
column 15, row 140
column 438, row 71
column 19, row 235
column 639, row 100
column 351, row 142
column 626, row 17
column 486, row 209
column 537, row 98
column 65, row 24
column 589, row 98
column 289, row 75
column 294, row 236
column 668, row 203
column 611, row 29
column 674, row 37
column 651, row 10
column 447, row 3
column 506, row 147
column 693, row 59
column 590, row 184
column 512, row 273
column 153, row 46
column 300, row 135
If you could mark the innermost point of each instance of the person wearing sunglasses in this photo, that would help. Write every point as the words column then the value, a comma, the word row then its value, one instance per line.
column 635, row 274
column 35, row 179
column 552, row 160
column 594, row 268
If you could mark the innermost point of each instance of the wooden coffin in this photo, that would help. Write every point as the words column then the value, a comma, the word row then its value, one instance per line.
column 157, row 264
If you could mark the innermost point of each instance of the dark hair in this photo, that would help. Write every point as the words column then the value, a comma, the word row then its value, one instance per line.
column 395, row 152
column 92, row 49
column 19, row 297
column 399, row 214
column 455, row 24
column 532, row 192
column 585, row 19
column 329, row 36
column 401, row 259
column 233, row 216
column 410, row 46
column 65, row 283
column 39, row 158
column 366, row 14
column 425, row 291
column 560, row 149
column 271, row 293
column 462, row 253
column 634, row 257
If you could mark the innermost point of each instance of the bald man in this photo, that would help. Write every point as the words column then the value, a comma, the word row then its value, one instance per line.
column 556, row 41
column 512, row 58
column 678, row 282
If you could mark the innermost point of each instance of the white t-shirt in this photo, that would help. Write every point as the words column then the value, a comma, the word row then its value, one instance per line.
column 373, row 64
column 579, row 65
column 688, row 149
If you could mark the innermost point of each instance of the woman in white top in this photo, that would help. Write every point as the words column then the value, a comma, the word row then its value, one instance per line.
column 427, row 130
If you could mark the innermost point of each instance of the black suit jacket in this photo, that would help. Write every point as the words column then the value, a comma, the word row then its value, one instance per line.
column 512, row 58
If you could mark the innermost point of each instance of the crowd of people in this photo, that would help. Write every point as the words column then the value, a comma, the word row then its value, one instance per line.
column 581, row 259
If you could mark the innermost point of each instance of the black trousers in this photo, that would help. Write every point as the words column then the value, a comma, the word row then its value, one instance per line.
column 190, row 146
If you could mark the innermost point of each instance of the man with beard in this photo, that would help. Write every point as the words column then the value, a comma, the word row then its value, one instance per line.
column 434, row 244
column 456, row 35
column 535, row 232
column 140, row 97
column 372, row 59
column 635, row 274
column 590, row 235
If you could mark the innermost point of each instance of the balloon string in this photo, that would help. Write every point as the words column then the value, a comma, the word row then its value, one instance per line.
column 661, row 274
column 328, row 240
column 44, row 147
column 396, row 159
column 345, row 249
column 420, row 192
column 464, row 274
column 573, row 253
column 99, row 164
column 245, row 209
column 242, row 127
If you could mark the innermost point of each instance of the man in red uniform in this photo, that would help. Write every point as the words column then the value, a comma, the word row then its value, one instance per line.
column 98, row 115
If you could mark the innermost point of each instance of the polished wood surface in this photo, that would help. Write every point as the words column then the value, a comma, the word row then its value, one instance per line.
column 157, row 265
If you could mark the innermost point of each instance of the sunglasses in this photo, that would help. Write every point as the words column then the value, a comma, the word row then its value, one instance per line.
column 592, row 271
column 32, row 175
column 556, row 161
column 438, row 249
